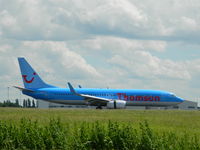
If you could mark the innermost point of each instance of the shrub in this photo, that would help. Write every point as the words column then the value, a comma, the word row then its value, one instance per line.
column 110, row 135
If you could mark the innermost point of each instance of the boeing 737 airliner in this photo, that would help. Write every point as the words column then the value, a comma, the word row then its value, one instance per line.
column 35, row 87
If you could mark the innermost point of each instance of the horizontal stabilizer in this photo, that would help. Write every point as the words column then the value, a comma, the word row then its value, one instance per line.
column 23, row 89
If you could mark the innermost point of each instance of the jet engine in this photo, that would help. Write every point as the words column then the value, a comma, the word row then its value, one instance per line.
column 116, row 104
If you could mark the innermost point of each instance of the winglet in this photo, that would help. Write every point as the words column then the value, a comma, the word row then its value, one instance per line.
column 72, row 89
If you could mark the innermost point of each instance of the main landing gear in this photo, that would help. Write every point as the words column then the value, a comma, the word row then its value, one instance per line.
column 99, row 107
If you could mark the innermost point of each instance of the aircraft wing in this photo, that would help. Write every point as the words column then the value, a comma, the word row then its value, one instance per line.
column 94, row 99
column 89, row 98
column 23, row 89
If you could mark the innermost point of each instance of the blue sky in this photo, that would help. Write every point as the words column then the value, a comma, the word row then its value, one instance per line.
column 103, row 43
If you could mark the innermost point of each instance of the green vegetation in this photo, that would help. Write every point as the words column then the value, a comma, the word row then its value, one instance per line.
column 98, row 129
column 8, row 103
column 27, row 103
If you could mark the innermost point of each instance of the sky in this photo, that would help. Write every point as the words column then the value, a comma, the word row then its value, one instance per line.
column 132, row 44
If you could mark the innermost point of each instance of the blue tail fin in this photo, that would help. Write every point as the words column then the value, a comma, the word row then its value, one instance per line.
column 30, row 78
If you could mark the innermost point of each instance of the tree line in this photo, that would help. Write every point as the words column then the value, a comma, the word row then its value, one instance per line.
column 27, row 103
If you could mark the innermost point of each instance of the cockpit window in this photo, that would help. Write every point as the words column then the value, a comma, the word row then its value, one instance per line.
column 172, row 95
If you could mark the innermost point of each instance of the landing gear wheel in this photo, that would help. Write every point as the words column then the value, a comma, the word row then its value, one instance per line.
column 98, row 107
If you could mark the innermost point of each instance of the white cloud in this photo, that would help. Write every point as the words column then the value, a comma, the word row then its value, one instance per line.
column 122, row 44
column 189, row 23
column 108, row 17
column 63, row 20
column 116, row 42
column 7, row 20
column 69, row 61
column 4, row 48
column 143, row 64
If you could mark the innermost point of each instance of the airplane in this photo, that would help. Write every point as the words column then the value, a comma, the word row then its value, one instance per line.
column 35, row 87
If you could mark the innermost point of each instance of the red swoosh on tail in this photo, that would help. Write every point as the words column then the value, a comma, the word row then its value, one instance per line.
column 28, row 81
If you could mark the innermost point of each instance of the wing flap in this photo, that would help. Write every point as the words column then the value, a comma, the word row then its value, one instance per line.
column 95, row 100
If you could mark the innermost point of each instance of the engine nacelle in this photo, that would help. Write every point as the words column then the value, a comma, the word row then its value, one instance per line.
column 116, row 104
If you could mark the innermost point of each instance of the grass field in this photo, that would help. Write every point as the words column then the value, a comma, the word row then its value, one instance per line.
column 160, row 120
column 86, row 125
